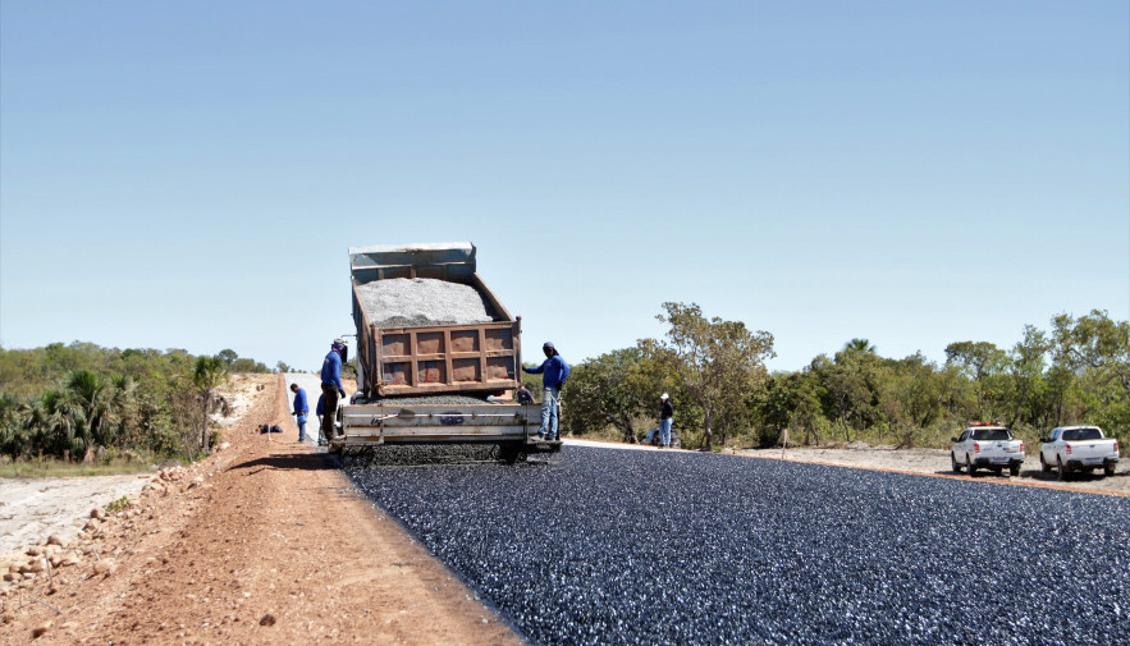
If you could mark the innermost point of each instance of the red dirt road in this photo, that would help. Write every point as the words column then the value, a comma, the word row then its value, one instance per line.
column 264, row 542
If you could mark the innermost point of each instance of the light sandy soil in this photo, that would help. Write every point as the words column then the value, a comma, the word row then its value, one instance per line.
column 263, row 542
column 31, row 509
column 34, row 508
column 936, row 462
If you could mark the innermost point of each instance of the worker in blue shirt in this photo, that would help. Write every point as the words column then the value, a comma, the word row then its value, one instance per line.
column 301, row 410
column 331, row 386
column 554, row 371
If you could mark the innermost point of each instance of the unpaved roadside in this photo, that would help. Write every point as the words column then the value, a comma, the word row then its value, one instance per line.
column 34, row 508
column 936, row 462
column 264, row 542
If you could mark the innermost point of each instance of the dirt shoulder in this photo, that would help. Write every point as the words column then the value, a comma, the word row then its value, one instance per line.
column 264, row 542
column 936, row 462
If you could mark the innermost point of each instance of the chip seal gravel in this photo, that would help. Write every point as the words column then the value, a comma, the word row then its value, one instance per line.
column 632, row 547
column 414, row 302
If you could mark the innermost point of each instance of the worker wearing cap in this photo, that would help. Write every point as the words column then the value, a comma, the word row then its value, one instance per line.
column 301, row 410
column 331, row 386
column 666, row 418
column 554, row 371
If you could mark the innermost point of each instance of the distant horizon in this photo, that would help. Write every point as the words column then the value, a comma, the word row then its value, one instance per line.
column 271, row 363
column 910, row 174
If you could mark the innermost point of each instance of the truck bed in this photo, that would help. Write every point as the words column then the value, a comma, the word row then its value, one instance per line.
column 479, row 358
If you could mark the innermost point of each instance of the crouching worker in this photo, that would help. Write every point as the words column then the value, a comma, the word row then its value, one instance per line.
column 554, row 371
column 301, row 410
column 331, row 387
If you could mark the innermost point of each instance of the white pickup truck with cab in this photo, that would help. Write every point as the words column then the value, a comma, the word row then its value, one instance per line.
column 986, row 446
column 1069, row 449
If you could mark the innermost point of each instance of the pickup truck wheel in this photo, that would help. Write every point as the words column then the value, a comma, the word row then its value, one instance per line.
column 1108, row 469
column 1044, row 466
column 1063, row 472
column 1014, row 470
column 972, row 467
column 953, row 464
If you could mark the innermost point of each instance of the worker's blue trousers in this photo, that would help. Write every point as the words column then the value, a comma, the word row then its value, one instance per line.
column 665, row 431
column 549, row 404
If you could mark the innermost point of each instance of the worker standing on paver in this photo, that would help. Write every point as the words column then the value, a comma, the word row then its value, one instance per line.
column 666, row 419
column 331, row 386
column 301, row 410
column 554, row 371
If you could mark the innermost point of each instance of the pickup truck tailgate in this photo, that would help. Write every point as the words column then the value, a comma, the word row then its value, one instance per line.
column 1090, row 451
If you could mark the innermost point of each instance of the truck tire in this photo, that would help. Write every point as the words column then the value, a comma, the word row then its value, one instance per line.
column 1062, row 468
column 969, row 465
column 1108, row 469
column 1044, row 466
column 953, row 464
column 1014, row 470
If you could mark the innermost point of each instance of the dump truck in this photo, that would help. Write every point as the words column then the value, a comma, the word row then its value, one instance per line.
column 423, row 381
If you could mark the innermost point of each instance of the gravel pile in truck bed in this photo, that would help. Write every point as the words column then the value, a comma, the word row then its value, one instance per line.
column 429, row 400
column 415, row 302
column 641, row 547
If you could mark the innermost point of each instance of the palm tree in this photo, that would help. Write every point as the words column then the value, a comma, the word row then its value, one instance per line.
column 89, row 393
column 208, row 374
column 55, row 422
column 862, row 346
column 125, row 409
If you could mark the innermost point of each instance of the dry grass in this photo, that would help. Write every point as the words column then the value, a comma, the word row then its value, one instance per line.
column 61, row 469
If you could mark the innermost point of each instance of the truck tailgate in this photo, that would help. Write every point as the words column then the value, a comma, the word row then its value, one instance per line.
column 1090, row 451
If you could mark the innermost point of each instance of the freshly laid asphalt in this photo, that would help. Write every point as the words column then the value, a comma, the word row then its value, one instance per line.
column 606, row 546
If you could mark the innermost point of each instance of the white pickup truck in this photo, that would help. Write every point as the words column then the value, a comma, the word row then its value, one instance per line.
column 986, row 446
column 1078, row 448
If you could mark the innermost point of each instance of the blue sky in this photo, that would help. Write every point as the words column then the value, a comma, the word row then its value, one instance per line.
column 191, row 174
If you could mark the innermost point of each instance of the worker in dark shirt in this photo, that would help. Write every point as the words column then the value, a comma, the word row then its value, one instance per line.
column 666, row 419
column 301, row 410
column 331, row 386
column 554, row 371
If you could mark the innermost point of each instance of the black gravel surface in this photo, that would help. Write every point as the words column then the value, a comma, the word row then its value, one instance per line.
column 640, row 547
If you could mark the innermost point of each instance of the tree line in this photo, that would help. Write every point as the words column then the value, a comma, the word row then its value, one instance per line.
column 1076, row 371
column 79, row 401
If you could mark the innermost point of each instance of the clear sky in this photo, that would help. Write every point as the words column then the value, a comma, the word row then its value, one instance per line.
column 190, row 174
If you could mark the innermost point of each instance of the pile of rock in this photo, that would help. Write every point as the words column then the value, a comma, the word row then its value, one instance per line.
column 415, row 302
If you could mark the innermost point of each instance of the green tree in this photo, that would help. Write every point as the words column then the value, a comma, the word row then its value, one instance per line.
column 983, row 363
column 719, row 363
column 228, row 356
column 208, row 374
column 90, row 396
column 616, row 389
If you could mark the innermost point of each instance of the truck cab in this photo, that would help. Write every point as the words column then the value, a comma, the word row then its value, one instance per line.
column 986, row 445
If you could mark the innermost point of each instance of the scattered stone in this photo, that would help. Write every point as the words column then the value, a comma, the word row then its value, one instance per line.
column 54, row 540
column 105, row 567
column 98, row 514
column 41, row 629
column 267, row 620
